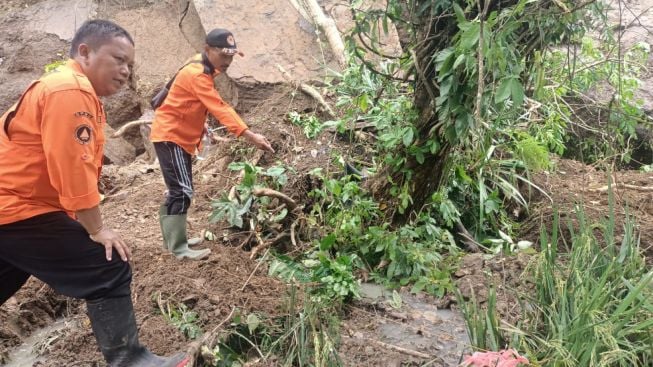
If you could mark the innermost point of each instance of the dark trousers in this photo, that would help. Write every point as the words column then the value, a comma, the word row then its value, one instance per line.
column 57, row 250
column 176, row 167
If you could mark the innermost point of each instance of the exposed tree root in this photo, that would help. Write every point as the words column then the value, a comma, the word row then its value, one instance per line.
column 130, row 125
column 290, row 203
column 280, row 237
column 308, row 90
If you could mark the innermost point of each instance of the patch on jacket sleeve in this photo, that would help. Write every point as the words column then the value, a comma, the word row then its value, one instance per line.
column 83, row 134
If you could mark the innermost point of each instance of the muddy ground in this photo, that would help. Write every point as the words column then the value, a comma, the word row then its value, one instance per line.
column 230, row 279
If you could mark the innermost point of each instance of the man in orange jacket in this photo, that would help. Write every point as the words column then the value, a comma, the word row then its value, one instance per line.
column 178, row 127
column 51, row 149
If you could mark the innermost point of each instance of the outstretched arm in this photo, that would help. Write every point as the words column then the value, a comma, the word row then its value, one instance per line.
column 257, row 140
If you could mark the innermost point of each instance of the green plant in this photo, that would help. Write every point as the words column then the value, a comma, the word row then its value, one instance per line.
column 482, row 323
column 592, row 65
column 55, row 64
column 310, row 124
column 306, row 335
column 332, row 278
column 534, row 155
column 236, row 208
column 417, row 253
column 334, row 275
column 591, row 306
column 181, row 317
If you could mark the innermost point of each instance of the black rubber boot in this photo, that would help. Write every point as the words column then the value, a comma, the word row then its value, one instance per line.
column 114, row 326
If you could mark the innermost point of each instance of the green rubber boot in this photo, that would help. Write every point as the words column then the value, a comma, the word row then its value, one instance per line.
column 173, row 228
column 163, row 210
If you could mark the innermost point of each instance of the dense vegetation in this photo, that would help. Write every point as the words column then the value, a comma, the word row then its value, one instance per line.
column 482, row 96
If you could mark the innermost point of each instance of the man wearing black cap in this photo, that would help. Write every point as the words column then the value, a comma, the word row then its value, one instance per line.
column 178, row 127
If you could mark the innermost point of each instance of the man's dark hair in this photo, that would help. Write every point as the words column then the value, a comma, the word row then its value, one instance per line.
column 96, row 33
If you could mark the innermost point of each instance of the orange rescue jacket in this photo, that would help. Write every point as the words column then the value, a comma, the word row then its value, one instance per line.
column 51, row 147
column 180, row 119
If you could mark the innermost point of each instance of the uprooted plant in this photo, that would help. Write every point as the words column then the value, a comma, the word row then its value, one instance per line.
column 305, row 335
column 255, row 204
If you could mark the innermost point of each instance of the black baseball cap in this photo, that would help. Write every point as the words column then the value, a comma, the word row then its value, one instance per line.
column 224, row 40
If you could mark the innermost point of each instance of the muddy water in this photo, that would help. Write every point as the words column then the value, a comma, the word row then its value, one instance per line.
column 424, row 327
column 27, row 354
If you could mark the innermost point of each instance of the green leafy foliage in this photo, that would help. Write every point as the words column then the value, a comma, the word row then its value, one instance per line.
column 594, row 68
column 182, row 318
column 55, row 64
column 310, row 124
column 335, row 275
column 416, row 253
column 591, row 305
column 533, row 154
column 236, row 210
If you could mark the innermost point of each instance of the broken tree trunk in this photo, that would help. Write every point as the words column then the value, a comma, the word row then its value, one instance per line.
column 327, row 25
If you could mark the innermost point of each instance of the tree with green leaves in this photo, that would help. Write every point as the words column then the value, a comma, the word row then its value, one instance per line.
column 473, row 65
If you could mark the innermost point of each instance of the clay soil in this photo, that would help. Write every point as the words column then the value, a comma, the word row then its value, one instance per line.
column 230, row 280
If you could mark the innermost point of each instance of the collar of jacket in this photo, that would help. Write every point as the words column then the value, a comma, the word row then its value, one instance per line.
column 208, row 67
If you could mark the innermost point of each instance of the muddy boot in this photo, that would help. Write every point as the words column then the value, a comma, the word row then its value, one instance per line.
column 174, row 236
column 163, row 211
column 114, row 326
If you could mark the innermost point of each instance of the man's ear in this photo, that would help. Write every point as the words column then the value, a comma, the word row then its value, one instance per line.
column 83, row 50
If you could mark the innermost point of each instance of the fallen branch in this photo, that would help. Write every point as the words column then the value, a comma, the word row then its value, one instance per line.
column 358, row 125
column 396, row 348
column 292, row 233
column 254, row 271
column 208, row 339
column 249, row 237
column 280, row 237
column 308, row 90
column 625, row 186
column 123, row 129
column 290, row 203
column 469, row 243
column 328, row 25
